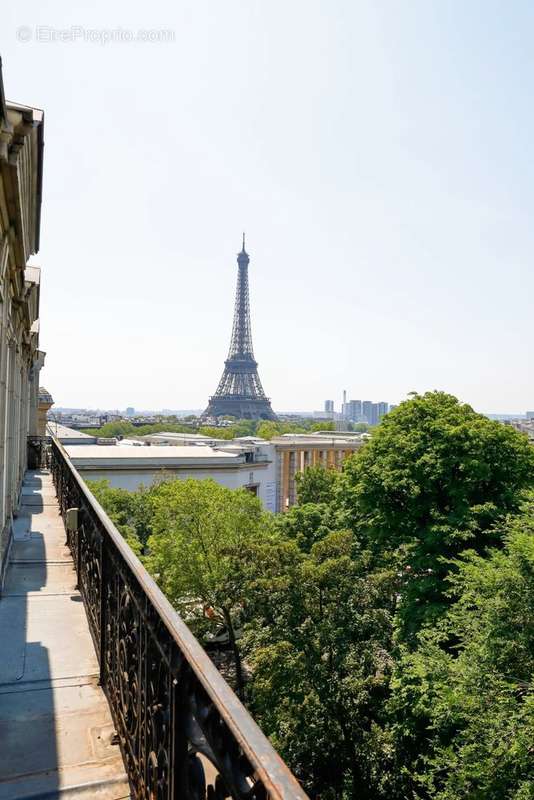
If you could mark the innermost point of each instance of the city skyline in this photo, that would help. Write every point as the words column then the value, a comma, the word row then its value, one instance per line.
column 282, row 412
column 385, row 188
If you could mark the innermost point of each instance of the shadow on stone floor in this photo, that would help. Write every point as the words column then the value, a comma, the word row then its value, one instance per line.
column 55, row 725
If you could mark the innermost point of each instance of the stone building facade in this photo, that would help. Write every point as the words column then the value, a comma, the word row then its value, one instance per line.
column 297, row 451
column 21, row 168
column 44, row 404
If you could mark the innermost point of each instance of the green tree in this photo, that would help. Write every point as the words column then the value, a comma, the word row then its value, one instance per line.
column 111, row 429
column 124, row 429
column 318, row 650
column 316, row 484
column 198, row 552
column 307, row 524
column 323, row 426
column 432, row 482
column 216, row 433
column 267, row 429
column 245, row 427
column 130, row 511
column 465, row 715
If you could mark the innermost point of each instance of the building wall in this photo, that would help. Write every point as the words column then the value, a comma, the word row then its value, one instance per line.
column 21, row 136
column 295, row 457
column 233, row 478
column 44, row 404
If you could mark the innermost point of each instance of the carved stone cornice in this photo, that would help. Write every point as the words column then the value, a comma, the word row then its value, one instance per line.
column 21, row 154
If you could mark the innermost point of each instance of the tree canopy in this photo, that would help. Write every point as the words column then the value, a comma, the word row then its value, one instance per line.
column 201, row 533
column 465, row 713
column 316, row 484
column 383, row 628
column 123, row 428
column 265, row 429
column 319, row 655
column 130, row 511
column 433, row 481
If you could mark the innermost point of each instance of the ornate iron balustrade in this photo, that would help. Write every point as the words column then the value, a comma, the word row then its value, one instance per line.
column 183, row 733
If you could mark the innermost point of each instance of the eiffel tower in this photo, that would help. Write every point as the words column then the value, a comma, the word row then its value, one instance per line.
column 240, row 393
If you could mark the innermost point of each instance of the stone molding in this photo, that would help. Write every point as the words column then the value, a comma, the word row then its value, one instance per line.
column 21, row 169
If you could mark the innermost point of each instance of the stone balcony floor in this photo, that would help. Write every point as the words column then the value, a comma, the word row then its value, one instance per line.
column 55, row 724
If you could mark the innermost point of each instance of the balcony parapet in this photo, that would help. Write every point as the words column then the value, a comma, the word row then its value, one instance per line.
column 183, row 733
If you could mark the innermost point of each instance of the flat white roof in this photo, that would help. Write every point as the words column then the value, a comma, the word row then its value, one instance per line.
column 319, row 441
column 126, row 456
column 196, row 437
column 63, row 432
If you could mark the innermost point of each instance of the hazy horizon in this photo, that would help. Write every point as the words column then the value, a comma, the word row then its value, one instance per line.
column 376, row 154
column 281, row 411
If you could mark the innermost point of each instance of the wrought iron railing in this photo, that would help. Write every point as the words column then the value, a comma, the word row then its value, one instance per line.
column 183, row 733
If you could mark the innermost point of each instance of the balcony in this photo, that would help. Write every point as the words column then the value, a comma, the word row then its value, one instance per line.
column 105, row 692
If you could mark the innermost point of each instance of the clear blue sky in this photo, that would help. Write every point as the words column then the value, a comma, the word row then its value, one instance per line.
column 379, row 156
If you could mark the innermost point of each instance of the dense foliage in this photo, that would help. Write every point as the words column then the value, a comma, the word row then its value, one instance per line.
column 319, row 648
column 463, row 701
column 265, row 429
column 434, row 480
column 316, row 484
column 383, row 629
column 123, row 428
column 131, row 512
column 201, row 533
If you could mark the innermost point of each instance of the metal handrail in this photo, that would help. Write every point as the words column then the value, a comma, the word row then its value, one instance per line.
column 213, row 721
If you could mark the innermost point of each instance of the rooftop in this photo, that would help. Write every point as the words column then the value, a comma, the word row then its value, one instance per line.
column 128, row 456
column 198, row 437
column 193, row 438
column 323, row 438
column 65, row 434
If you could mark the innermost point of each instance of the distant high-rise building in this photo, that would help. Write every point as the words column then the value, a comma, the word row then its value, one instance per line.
column 382, row 410
column 530, row 415
column 329, row 406
column 130, row 412
column 354, row 410
column 364, row 411
column 374, row 414
column 367, row 406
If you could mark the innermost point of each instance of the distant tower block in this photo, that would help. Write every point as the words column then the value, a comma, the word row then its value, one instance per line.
column 240, row 393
